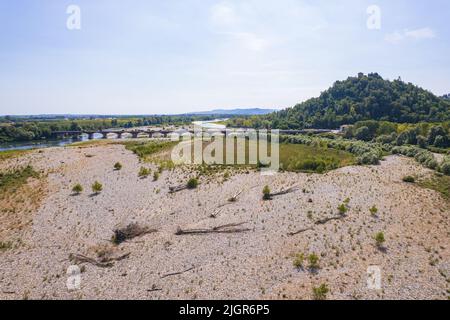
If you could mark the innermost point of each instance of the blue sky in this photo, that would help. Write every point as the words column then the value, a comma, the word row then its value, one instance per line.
column 175, row 56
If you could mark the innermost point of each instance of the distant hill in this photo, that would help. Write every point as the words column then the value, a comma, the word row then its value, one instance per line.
column 364, row 97
column 242, row 112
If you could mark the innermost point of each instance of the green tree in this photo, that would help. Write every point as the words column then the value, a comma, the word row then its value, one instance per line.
column 97, row 187
column 77, row 189
column 266, row 193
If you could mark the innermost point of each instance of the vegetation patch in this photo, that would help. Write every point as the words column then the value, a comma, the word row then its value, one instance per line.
column 8, row 154
column 439, row 183
column 304, row 158
column 13, row 179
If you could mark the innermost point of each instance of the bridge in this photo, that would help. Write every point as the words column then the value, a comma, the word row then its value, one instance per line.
column 166, row 133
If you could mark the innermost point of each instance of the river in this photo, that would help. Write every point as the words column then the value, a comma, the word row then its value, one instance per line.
column 26, row 145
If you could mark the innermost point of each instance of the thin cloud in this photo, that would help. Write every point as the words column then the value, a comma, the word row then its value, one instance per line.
column 417, row 34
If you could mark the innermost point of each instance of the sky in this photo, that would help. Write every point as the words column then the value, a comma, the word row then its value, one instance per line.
column 177, row 56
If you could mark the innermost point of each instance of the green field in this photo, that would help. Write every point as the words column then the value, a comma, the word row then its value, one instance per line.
column 293, row 157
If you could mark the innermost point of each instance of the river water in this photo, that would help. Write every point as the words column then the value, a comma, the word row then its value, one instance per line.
column 65, row 141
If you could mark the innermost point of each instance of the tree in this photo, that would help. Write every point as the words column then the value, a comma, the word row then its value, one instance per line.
column 117, row 166
column 363, row 133
column 97, row 187
column 379, row 239
column 77, row 189
column 320, row 293
column 435, row 131
column 313, row 261
column 192, row 183
column 266, row 193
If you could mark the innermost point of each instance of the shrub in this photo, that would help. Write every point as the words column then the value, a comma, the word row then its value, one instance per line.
column 155, row 176
column 445, row 166
column 342, row 209
column 373, row 211
column 144, row 172
column 409, row 179
column 266, row 193
column 298, row 261
column 117, row 166
column 77, row 189
column 369, row 158
column 313, row 261
column 320, row 293
column 192, row 183
column 97, row 187
column 379, row 239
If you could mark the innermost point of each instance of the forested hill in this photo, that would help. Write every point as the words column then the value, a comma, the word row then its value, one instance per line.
column 365, row 97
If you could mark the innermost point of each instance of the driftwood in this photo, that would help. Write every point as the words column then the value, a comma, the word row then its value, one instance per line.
column 227, row 228
column 129, row 232
column 103, row 263
column 176, row 273
column 300, row 231
column 154, row 288
column 236, row 195
column 215, row 213
column 177, row 188
column 323, row 221
column 318, row 222
column 283, row 192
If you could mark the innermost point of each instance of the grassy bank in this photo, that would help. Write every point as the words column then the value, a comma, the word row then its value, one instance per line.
column 439, row 183
column 8, row 154
column 13, row 179
column 293, row 157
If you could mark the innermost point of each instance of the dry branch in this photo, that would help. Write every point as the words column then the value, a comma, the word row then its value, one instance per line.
column 215, row 213
column 177, row 188
column 300, row 231
column 176, row 273
column 227, row 228
column 129, row 232
column 283, row 192
column 234, row 198
column 318, row 222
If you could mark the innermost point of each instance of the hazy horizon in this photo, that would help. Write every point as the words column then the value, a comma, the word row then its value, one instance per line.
column 174, row 57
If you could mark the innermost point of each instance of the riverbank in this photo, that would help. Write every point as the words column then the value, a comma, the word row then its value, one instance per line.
column 255, row 264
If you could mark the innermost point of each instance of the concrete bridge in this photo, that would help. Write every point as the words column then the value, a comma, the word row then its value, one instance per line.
column 165, row 133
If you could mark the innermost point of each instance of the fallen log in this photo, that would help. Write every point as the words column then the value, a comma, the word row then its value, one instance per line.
column 176, row 273
column 227, row 228
column 215, row 213
column 326, row 220
column 318, row 222
column 236, row 195
column 154, row 288
column 131, row 231
column 283, row 192
column 177, row 188
column 300, row 231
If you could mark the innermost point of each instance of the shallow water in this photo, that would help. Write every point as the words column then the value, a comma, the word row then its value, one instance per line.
column 43, row 143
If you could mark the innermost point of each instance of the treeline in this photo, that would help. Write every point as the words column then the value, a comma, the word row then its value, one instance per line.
column 23, row 129
column 365, row 97
column 424, row 135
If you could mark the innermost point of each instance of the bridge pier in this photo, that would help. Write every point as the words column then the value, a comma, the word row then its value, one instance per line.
column 104, row 135
column 134, row 135
column 119, row 135
column 90, row 135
